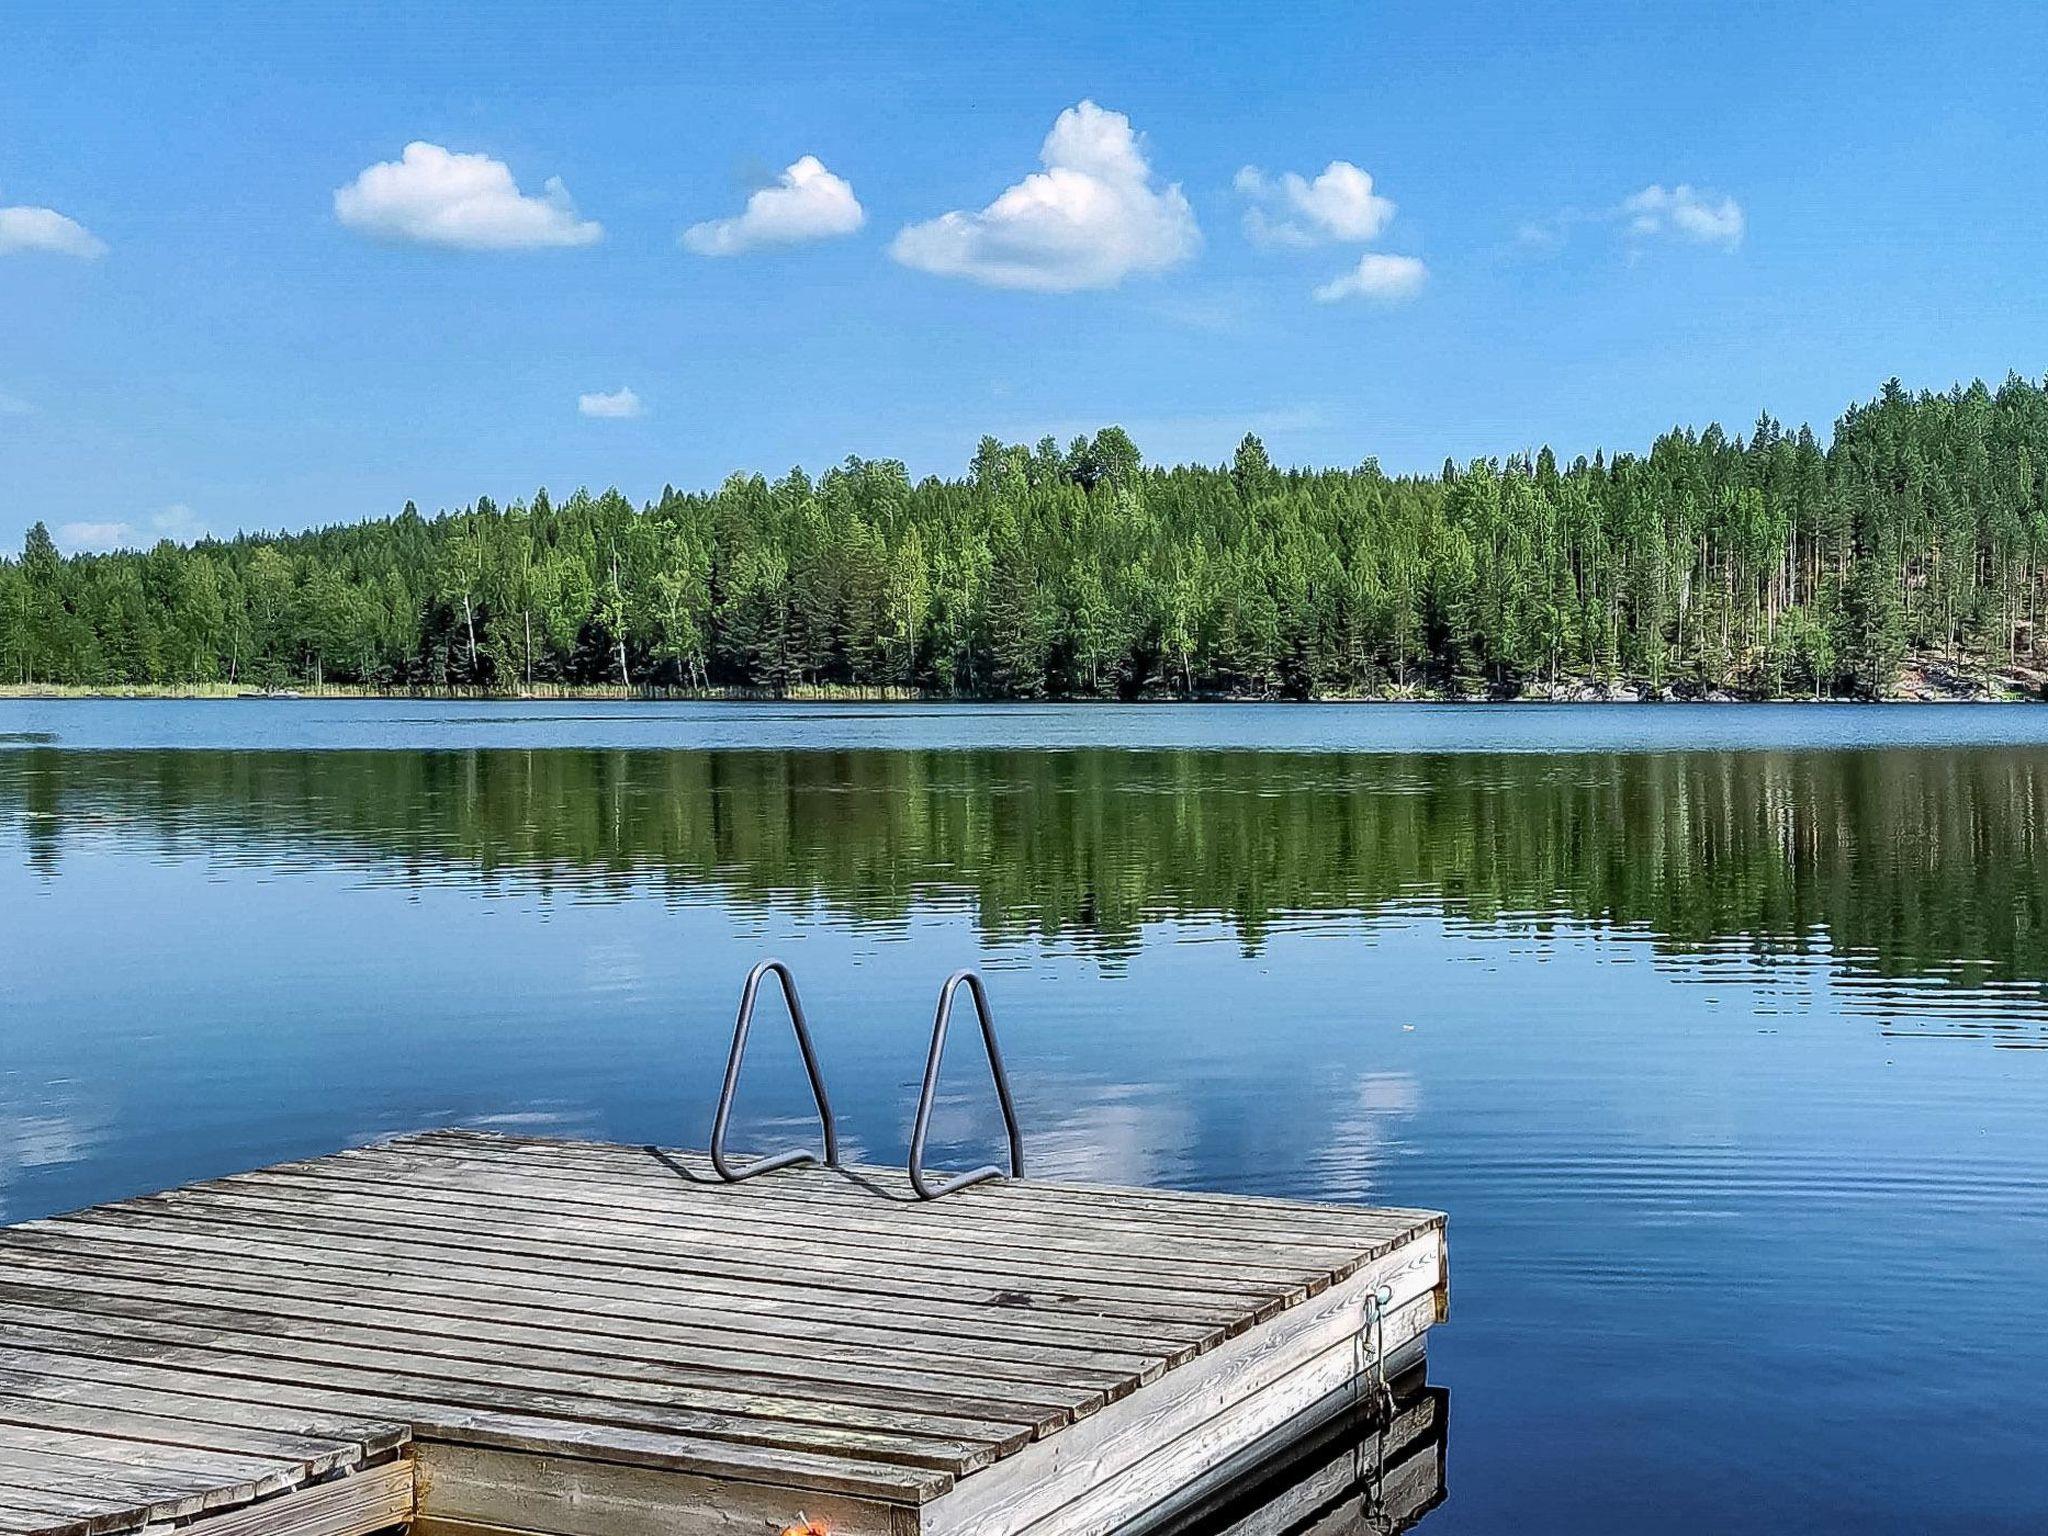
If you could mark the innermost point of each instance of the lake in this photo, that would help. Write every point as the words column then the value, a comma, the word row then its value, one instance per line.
column 1721, row 1032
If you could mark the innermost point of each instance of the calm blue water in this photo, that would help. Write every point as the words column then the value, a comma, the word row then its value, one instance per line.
column 385, row 724
column 1718, row 1031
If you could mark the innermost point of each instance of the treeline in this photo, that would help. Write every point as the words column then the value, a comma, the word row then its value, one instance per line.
column 1764, row 565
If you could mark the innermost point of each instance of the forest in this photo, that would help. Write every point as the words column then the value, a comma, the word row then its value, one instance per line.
column 1765, row 565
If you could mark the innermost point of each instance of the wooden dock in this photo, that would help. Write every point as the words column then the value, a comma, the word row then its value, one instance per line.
column 477, row 1335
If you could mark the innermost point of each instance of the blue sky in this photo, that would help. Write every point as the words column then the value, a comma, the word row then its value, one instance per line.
column 1583, row 224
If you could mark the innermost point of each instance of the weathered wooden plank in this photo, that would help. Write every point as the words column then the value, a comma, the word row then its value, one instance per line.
column 231, row 1475
column 614, row 1155
column 358, row 1504
column 1104, row 1319
column 891, row 1484
column 652, row 1297
column 1314, row 1349
column 41, row 1414
column 181, row 1335
column 1228, row 1216
column 691, row 1175
column 26, row 1509
column 21, row 1516
column 1027, row 1202
column 607, row 1315
column 205, row 1414
column 1103, row 1508
column 653, row 1245
column 17, row 1499
column 349, row 1335
column 273, row 1301
column 784, row 1236
column 466, row 1489
column 144, row 1367
column 138, row 1369
column 826, row 1204
column 822, row 1188
column 361, row 1504
column 92, row 1485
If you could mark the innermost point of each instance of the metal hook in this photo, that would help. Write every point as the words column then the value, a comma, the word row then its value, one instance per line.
column 925, row 1099
column 726, row 1095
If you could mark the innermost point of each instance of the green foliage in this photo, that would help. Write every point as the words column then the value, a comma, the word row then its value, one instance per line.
column 1764, row 564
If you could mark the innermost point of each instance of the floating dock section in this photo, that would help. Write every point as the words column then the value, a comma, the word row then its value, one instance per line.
column 477, row 1335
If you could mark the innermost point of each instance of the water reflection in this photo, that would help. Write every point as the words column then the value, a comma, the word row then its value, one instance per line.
column 1918, row 878
column 1357, row 1473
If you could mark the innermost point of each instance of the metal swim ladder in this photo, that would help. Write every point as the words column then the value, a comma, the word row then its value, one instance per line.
column 927, row 1097
column 722, row 1122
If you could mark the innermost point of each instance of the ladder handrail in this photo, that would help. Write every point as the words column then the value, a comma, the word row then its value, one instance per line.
column 723, row 1120
column 929, row 1094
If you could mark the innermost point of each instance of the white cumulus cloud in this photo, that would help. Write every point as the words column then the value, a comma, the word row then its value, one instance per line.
column 1338, row 205
column 1680, row 213
column 13, row 405
column 1683, row 212
column 807, row 202
column 433, row 196
column 1382, row 278
column 45, row 229
column 1094, row 216
column 618, row 405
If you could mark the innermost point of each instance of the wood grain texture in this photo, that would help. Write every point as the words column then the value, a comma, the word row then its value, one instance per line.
column 578, row 1339
column 1109, row 1469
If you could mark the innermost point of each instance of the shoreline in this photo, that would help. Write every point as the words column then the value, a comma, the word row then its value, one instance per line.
column 2022, row 688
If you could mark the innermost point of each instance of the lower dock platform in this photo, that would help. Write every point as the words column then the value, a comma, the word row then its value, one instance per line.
column 471, row 1334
